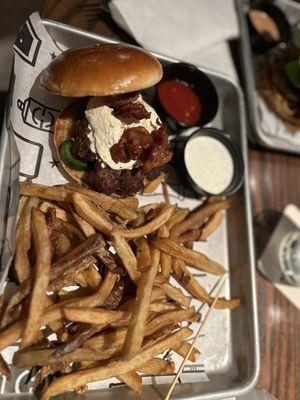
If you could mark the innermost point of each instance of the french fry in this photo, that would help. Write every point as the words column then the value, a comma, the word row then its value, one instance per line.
column 153, row 184
column 60, row 212
column 92, row 277
column 194, row 258
column 4, row 369
column 87, row 229
column 150, row 227
column 79, row 253
column 171, row 317
column 165, row 259
column 42, row 247
column 189, row 236
column 165, row 192
column 67, row 229
column 133, row 380
column 197, row 218
column 92, row 213
column 157, row 366
column 55, row 193
column 223, row 304
column 159, row 307
column 113, row 205
column 15, row 301
column 31, row 357
column 131, row 202
column 212, row 224
column 135, row 333
column 182, row 349
column 22, row 202
column 107, row 339
column 175, row 294
column 89, row 315
column 126, row 254
column 143, row 257
column 114, row 368
column 188, row 281
column 23, row 241
column 177, row 217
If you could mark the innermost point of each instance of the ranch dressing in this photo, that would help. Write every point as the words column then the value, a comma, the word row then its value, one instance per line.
column 209, row 163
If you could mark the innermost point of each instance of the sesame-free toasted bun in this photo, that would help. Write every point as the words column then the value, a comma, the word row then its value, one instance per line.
column 65, row 127
column 101, row 70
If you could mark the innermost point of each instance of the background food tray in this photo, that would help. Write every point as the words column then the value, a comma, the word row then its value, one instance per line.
column 231, row 343
column 249, row 67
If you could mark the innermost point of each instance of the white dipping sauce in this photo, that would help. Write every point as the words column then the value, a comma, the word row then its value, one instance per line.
column 209, row 163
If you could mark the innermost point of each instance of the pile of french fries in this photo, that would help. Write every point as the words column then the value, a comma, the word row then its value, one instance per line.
column 94, row 298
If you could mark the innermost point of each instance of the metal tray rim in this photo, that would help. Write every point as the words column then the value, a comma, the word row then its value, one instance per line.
column 239, row 389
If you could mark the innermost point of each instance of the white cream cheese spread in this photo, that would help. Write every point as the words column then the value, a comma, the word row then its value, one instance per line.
column 106, row 129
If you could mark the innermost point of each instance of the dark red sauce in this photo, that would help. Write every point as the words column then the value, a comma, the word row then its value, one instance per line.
column 180, row 101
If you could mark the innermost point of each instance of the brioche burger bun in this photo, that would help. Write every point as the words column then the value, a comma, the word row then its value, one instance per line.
column 103, row 77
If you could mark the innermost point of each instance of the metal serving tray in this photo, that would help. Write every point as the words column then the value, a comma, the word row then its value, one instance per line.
column 234, row 370
column 249, row 67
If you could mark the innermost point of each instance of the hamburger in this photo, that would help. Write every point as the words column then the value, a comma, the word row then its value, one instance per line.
column 109, row 138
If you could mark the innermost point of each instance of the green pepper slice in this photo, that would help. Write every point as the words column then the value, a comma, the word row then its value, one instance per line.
column 69, row 159
column 293, row 72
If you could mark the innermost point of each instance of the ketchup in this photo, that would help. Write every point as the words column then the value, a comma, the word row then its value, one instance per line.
column 180, row 101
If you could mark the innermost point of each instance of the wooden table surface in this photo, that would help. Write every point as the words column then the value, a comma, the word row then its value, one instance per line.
column 274, row 180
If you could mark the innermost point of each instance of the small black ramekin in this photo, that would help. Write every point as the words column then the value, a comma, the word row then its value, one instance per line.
column 259, row 43
column 238, row 174
column 200, row 83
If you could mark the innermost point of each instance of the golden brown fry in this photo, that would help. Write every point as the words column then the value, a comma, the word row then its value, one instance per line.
column 34, row 356
column 89, row 315
column 42, row 247
column 126, row 255
column 92, row 277
column 107, row 339
column 67, row 229
column 92, row 213
column 22, row 202
column 171, row 317
column 165, row 192
column 212, row 224
column 194, row 258
column 197, row 218
column 108, row 203
column 10, row 313
column 59, row 212
column 165, row 259
column 143, row 257
column 131, row 202
column 152, row 185
column 62, row 246
column 177, row 217
column 222, row 303
column 189, row 236
column 87, row 228
column 23, row 241
column 99, row 297
column 150, row 227
column 4, row 369
column 182, row 349
column 114, row 368
column 133, row 380
column 189, row 282
column 55, row 193
column 157, row 366
column 159, row 307
column 135, row 332
column 175, row 294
